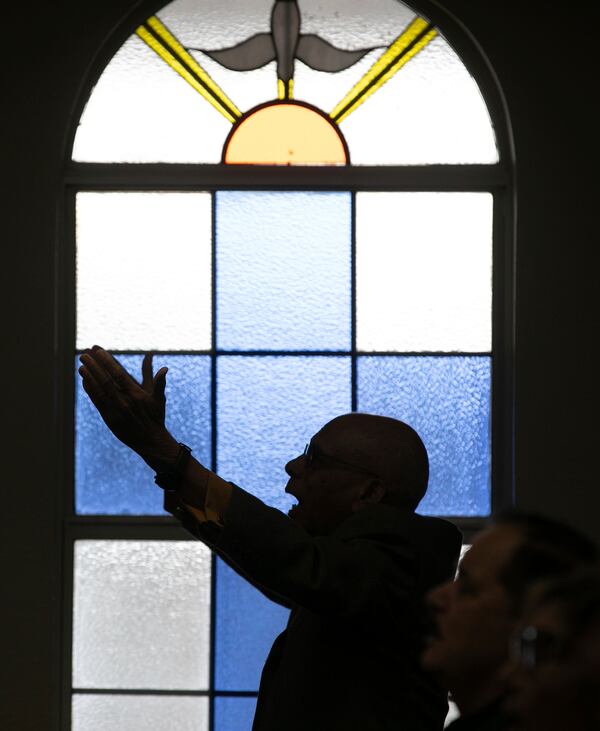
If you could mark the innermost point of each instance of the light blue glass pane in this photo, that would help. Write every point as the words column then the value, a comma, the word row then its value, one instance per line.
column 267, row 409
column 283, row 270
column 111, row 479
column 234, row 714
column 447, row 400
column 247, row 625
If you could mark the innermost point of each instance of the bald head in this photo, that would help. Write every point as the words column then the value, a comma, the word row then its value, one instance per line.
column 388, row 448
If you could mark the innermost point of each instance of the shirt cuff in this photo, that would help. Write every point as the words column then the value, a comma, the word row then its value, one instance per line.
column 218, row 495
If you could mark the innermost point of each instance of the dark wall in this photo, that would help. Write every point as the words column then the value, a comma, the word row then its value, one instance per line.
column 546, row 71
column 547, row 74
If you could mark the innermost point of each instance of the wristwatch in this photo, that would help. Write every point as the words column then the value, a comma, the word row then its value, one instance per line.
column 169, row 479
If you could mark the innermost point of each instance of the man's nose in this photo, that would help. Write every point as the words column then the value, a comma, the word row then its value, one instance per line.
column 438, row 599
column 295, row 467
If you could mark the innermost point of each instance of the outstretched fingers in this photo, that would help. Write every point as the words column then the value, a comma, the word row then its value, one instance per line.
column 159, row 382
column 90, row 383
column 101, row 389
column 147, row 374
column 119, row 377
column 154, row 384
column 105, row 380
column 158, row 391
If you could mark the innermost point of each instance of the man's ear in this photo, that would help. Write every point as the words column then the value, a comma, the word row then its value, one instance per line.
column 372, row 492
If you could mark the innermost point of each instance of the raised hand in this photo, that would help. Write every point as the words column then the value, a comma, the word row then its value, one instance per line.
column 134, row 412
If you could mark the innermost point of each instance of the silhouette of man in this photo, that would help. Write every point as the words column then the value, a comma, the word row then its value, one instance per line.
column 351, row 560
column 476, row 615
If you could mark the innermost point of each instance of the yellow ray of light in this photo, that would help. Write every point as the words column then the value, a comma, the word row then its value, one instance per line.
column 285, row 91
column 163, row 43
column 416, row 36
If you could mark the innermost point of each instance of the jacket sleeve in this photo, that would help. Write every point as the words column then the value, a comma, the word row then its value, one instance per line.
column 373, row 574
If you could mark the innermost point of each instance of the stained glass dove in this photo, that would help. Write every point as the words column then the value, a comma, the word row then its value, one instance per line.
column 284, row 44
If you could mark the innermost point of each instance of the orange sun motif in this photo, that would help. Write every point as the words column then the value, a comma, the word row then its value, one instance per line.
column 285, row 133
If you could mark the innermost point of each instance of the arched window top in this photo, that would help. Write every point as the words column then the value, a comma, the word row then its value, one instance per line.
column 286, row 82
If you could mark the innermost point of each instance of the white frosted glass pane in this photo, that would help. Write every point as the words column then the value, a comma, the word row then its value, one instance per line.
column 424, row 271
column 325, row 90
column 143, row 270
column 354, row 24
column 138, row 713
column 213, row 24
column 431, row 111
column 248, row 88
column 141, row 615
column 142, row 111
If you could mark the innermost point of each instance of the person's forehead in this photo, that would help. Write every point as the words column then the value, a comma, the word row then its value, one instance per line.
column 490, row 551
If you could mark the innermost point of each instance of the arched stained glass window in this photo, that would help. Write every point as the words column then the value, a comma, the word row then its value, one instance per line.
column 390, row 86
column 301, row 208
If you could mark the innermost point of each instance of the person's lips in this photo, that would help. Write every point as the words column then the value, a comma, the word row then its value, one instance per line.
column 293, row 509
column 430, row 629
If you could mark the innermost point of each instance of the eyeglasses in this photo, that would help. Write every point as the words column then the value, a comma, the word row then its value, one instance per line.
column 312, row 453
column 532, row 647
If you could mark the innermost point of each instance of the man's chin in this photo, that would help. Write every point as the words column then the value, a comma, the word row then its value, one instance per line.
column 431, row 657
column 295, row 513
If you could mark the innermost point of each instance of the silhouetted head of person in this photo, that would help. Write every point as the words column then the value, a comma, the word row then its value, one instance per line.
column 476, row 615
column 555, row 679
column 353, row 462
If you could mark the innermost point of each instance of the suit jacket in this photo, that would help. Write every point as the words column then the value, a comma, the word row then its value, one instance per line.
column 349, row 657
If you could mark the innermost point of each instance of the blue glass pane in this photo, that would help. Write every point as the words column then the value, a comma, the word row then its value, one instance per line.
column 283, row 270
column 268, row 408
column 247, row 625
column 111, row 479
column 234, row 714
column 447, row 400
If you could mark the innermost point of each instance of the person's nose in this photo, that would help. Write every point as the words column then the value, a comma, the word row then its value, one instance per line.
column 439, row 598
column 295, row 467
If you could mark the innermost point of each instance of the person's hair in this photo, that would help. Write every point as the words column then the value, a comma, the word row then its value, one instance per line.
column 578, row 598
column 548, row 548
